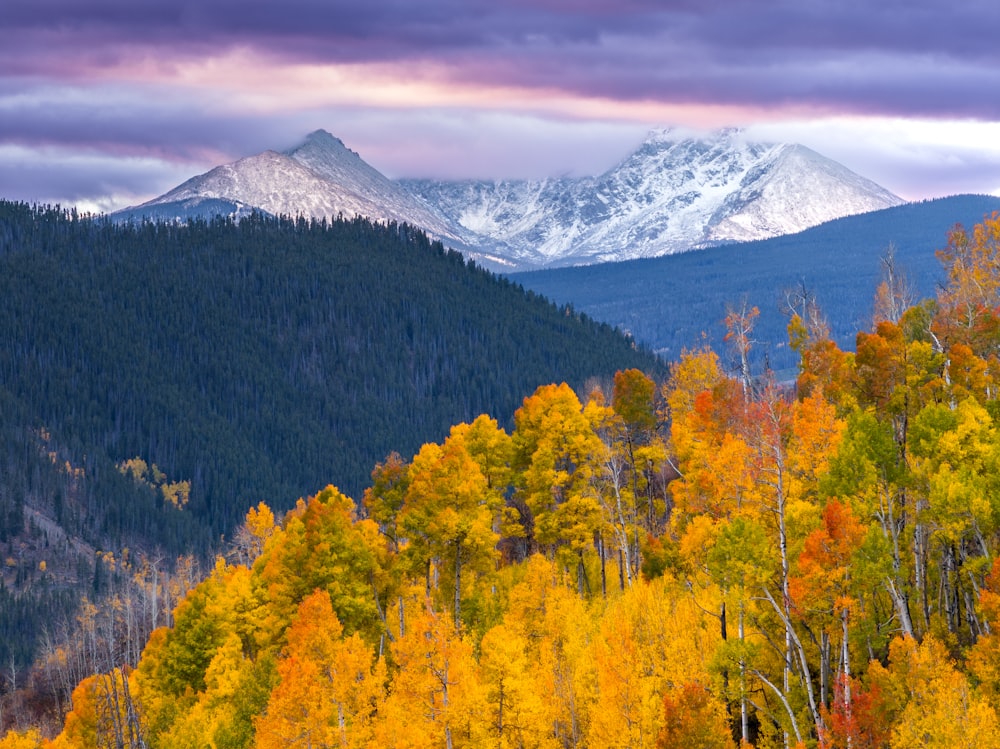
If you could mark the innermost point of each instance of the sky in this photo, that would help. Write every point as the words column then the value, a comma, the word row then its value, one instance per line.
column 107, row 103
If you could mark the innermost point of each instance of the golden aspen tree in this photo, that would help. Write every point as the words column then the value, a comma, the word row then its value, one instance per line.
column 30, row 739
column 790, row 444
column 252, row 534
column 81, row 726
column 222, row 716
column 968, row 304
column 544, row 612
column 320, row 546
column 739, row 559
column 517, row 714
column 615, row 485
column 628, row 479
column 554, row 452
column 693, row 717
column 103, row 715
column 491, row 448
column 713, row 459
column 435, row 698
column 328, row 687
column 634, row 399
column 956, row 458
column 493, row 451
column 941, row 708
column 448, row 521
column 651, row 640
column 383, row 500
column 867, row 472
column 627, row 707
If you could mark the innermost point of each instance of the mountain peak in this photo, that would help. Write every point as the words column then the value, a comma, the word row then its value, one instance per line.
column 321, row 142
column 322, row 138
column 320, row 134
column 673, row 134
column 681, row 189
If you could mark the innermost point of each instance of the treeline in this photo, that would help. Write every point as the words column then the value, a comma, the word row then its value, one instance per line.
column 250, row 360
column 713, row 561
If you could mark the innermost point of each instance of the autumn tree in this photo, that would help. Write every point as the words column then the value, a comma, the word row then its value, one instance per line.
column 322, row 545
column 29, row 739
column 823, row 367
column 693, row 717
column 329, row 687
column 448, row 519
column 941, row 708
column 740, row 324
column 554, row 454
column 436, row 697
column 969, row 302
column 956, row 459
column 649, row 642
column 547, row 614
column 823, row 592
column 894, row 295
column 709, row 454
column 383, row 500
column 616, row 484
column 517, row 713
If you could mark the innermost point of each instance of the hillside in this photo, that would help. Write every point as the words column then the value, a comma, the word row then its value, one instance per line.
column 255, row 361
column 706, row 562
column 668, row 303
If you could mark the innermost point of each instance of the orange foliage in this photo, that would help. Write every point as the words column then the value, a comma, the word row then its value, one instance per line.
column 693, row 717
column 825, row 562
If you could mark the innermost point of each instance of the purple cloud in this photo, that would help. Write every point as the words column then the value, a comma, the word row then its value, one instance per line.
column 728, row 52
column 113, row 76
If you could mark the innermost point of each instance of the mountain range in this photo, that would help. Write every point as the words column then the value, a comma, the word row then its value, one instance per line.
column 680, row 301
column 674, row 193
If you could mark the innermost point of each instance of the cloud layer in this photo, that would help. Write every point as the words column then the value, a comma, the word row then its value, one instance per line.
column 194, row 83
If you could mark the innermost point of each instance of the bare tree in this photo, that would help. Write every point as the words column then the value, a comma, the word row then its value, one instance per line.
column 894, row 294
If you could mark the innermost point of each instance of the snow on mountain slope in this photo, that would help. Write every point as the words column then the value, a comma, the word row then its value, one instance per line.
column 320, row 178
column 674, row 193
column 328, row 157
column 277, row 184
column 800, row 190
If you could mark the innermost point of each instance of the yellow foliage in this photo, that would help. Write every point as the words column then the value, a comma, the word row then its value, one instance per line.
column 260, row 521
column 942, row 709
column 436, row 698
column 29, row 739
column 515, row 705
column 327, row 686
column 177, row 494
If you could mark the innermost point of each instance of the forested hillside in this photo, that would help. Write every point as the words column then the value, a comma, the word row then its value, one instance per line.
column 677, row 302
column 158, row 379
column 710, row 561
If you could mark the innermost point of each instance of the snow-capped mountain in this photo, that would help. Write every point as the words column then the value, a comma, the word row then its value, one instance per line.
column 673, row 194
column 319, row 178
